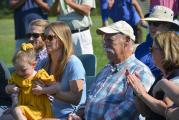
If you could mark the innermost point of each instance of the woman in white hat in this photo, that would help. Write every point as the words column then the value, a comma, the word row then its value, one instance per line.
column 159, row 20
column 165, row 54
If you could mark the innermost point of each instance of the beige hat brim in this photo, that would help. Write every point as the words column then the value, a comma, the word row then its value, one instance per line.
column 156, row 19
column 174, row 25
column 106, row 30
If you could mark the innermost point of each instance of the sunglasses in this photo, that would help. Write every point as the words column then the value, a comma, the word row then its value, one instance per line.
column 49, row 37
column 156, row 24
column 151, row 49
column 34, row 35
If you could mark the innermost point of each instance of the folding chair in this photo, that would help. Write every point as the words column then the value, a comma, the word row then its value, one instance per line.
column 89, row 63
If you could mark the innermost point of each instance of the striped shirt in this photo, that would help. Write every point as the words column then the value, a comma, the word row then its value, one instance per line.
column 111, row 97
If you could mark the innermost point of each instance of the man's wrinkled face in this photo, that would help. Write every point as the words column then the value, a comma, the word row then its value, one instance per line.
column 113, row 46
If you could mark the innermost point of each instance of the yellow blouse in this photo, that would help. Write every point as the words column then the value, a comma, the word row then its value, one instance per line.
column 34, row 107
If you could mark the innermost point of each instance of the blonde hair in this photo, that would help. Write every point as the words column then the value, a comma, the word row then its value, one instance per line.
column 168, row 43
column 63, row 33
column 40, row 22
column 24, row 56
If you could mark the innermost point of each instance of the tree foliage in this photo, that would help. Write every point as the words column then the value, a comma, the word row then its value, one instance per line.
column 5, row 11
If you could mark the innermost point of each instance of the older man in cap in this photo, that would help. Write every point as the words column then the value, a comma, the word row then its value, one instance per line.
column 110, row 97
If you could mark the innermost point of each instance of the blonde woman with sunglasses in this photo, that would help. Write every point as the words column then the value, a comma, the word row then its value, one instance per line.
column 67, row 69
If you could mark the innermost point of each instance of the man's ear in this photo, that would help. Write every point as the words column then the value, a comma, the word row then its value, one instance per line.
column 127, row 40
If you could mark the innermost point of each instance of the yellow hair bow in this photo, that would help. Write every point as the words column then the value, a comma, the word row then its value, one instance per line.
column 26, row 46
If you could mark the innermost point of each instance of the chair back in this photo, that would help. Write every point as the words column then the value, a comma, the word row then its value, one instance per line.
column 89, row 63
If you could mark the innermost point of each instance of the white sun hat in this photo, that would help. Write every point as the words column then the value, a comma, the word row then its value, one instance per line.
column 118, row 27
column 162, row 14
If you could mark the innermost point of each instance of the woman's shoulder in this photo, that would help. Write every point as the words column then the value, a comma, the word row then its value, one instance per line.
column 73, row 60
column 74, row 63
column 175, row 80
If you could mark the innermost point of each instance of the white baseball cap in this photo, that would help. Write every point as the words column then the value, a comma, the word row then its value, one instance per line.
column 118, row 27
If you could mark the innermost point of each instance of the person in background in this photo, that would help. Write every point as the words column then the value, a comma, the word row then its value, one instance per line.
column 127, row 10
column 35, row 37
column 110, row 97
column 68, row 70
column 26, row 105
column 172, row 4
column 76, row 14
column 159, row 20
column 26, row 11
column 165, row 54
column 5, row 99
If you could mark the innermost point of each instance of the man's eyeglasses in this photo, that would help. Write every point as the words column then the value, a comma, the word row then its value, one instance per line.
column 49, row 37
column 34, row 35
column 156, row 24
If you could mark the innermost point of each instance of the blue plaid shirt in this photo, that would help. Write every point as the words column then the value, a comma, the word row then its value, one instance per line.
column 111, row 97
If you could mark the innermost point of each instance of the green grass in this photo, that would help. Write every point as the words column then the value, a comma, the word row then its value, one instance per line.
column 7, row 42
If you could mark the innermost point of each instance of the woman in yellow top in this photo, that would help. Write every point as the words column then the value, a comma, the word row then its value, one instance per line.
column 29, row 106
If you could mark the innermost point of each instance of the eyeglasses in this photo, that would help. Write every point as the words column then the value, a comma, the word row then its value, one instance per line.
column 151, row 49
column 34, row 35
column 156, row 24
column 49, row 37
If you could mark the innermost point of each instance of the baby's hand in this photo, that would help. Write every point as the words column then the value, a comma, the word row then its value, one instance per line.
column 16, row 89
column 12, row 89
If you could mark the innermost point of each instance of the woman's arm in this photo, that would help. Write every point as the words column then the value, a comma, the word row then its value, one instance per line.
column 13, row 4
column 73, row 95
column 81, row 8
column 155, row 105
column 141, row 107
column 172, row 114
column 139, row 11
column 169, row 88
column 43, row 5
column 138, row 8
column 55, row 8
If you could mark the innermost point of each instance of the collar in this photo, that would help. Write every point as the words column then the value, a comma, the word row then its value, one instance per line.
column 116, row 67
